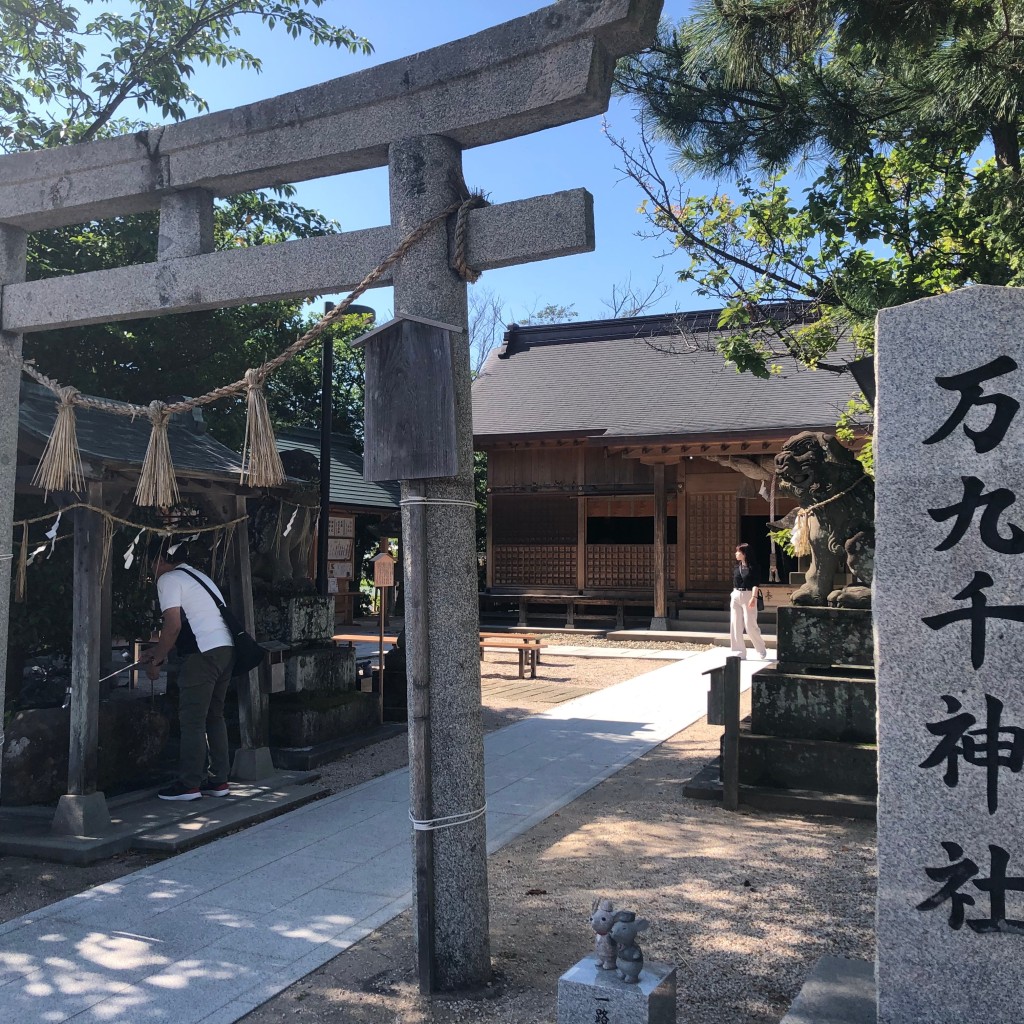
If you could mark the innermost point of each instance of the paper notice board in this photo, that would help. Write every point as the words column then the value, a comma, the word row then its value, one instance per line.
column 339, row 549
column 341, row 526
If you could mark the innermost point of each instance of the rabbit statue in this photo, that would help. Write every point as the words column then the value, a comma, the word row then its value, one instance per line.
column 629, row 957
column 601, row 920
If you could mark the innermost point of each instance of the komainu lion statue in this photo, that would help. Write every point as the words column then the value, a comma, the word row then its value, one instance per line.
column 836, row 519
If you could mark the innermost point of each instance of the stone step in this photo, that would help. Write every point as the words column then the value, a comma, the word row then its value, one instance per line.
column 707, row 785
column 823, row 706
column 718, row 616
column 687, row 636
column 822, row 765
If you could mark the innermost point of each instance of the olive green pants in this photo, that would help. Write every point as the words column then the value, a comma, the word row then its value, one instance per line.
column 202, row 686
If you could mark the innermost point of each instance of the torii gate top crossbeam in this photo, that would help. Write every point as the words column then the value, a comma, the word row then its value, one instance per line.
column 548, row 68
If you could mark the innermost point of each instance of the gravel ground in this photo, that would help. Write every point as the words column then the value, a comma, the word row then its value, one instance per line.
column 584, row 640
column 743, row 903
column 506, row 699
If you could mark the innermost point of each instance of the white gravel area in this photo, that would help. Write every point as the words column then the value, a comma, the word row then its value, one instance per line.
column 744, row 903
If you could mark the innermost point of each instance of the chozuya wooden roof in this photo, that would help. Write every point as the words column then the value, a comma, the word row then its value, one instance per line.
column 644, row 381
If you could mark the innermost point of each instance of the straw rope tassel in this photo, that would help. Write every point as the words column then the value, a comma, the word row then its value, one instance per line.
column 801, row 537
column 157, row 486
column 21, row 583
column 108, row 545
column 60, row 468
column 261, row 461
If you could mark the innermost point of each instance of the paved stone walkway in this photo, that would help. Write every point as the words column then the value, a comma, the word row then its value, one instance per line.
column 205, row 937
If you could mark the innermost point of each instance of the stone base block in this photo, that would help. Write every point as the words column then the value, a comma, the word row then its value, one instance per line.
column 838, row 991
column 297, row 726
column 295, row 620
column 35, row 756
column 81, row 815
column 321, row 670
column 813, row 707
column 811, row 635
column 821, row 765
column 252, row 765
column 587, row 994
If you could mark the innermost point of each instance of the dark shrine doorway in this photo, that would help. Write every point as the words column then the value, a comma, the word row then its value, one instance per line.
column 754, row 531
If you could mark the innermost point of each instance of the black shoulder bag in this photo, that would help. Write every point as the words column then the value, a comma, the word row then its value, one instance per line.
column 248, row 653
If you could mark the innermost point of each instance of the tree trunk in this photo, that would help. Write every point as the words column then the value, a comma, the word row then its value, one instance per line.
column 1007, row 145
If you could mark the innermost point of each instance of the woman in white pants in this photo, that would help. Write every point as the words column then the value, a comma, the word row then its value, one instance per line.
column 743, row 605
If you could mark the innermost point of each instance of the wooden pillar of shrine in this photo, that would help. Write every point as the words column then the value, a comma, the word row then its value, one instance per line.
column 660, row 553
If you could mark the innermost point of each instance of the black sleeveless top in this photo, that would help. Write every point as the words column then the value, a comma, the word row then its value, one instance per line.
column 745, row 577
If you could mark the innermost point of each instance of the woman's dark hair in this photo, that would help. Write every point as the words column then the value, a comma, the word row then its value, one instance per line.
column 744, row 550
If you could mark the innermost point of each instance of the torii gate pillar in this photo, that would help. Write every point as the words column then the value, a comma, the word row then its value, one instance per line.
column 12, row 270
column 425, row 178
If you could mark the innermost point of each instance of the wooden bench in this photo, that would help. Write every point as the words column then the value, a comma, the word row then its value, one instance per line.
column 351, row 639
column 529, row 650
column 525, row 638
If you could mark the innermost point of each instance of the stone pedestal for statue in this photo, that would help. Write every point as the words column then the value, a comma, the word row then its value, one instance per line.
column 396, row 691
column 812, row 721
column 809, row 744
column 321, row 705
column 586, row 994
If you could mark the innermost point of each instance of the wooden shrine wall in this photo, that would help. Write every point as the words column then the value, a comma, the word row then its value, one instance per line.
column 544, row 499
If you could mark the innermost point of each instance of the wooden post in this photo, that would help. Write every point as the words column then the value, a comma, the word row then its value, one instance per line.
column 252, row 759
column 731, row 738
column 82, row 811
column 681, row 528
column 383, row 597
column 581, row 518
column 326, row 411
column 489, row 579
column 581, row 542
column 12, row 271
column 106, row 629
column 660, row 620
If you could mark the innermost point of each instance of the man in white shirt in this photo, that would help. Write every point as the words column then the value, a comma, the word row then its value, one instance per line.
column 187, row 606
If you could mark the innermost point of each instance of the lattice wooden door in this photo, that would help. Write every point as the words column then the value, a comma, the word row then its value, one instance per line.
column 712, row 527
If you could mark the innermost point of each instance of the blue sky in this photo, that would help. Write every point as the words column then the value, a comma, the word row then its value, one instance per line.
column 572, row 156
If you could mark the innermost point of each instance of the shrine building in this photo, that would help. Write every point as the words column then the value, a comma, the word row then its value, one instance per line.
column 626, row 460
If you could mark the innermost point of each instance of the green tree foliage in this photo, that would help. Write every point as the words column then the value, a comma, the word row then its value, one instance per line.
column 70, row 75
column 889, row 108
column 67, row 78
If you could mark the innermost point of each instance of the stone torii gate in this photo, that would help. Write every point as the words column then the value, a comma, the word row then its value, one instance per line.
column 416, row 116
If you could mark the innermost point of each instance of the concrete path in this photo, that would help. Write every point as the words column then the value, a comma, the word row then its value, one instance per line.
column 210, row 935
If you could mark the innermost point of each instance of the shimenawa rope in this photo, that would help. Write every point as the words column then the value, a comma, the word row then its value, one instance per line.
column 61, row 466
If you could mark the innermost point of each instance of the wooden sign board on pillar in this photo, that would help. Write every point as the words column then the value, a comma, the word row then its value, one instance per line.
column 409, row 401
